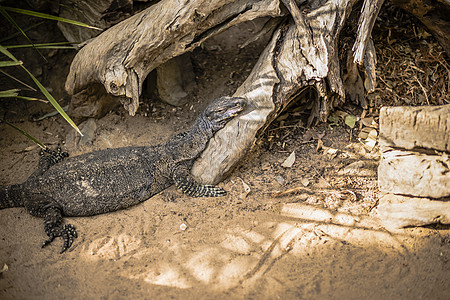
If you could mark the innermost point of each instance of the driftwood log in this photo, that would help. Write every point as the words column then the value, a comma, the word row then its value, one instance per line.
column 303, row 52
column 414, row 168
column 398, row 211
column 415, row 149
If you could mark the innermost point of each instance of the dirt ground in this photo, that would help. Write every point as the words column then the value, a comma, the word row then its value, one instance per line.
column 309, row 231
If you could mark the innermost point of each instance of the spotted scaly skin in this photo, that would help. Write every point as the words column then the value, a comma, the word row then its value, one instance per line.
column 112, row 179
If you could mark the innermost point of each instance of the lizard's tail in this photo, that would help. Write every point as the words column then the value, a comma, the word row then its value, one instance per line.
column 11, row 196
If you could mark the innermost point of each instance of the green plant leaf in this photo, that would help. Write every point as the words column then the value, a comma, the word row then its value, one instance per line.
column 46, row 16
column 53, row 102
column 7, row 53
column 59, row 45
column 11, row 20
column 350, row 120
column 26, row 134
column 44, row 91
column 8, row 63
column 9, row 93
column 31, row 99
column 14, row 93
column 16, row 34
column 333, row 119
column 19, row 81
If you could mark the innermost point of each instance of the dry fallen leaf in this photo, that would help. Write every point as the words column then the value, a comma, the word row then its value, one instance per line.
column 29, row 148
column 350, row 120
column 319, row 145
column 371, row 139
column 331, row 153
column 369, row 122
column 305, row 182
column 247, row 188
column 289, row 162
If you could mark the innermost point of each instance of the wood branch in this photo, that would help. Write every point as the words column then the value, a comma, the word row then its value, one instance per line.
column 283, row 70
column 398, row 211
column 370, row 62
column 412, row 127
column 353, row 83
column 409, row 138
column 121, row 57
column 369, row 13
column 414, row 173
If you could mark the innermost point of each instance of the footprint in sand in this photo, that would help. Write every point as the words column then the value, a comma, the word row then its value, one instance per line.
column 112, row 247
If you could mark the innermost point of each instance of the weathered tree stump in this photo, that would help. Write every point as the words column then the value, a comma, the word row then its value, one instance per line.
column 415, row 166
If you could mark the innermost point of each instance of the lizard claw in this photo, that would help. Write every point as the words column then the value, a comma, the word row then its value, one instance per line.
column 69, row 235
column 67, row 232
column 211, row 191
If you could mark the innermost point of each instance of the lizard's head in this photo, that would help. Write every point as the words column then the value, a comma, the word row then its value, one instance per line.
column 222, row 110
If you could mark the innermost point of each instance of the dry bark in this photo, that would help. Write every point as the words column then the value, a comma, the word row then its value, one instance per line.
column 414, row 173
column 411, row 141
column 122, row 57
column 415, row 127
column 398, row 211
column 99, row 13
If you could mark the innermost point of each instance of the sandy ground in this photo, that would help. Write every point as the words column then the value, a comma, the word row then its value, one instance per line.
column 305, row 232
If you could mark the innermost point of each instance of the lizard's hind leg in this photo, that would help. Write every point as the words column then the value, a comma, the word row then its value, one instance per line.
column 42, row 206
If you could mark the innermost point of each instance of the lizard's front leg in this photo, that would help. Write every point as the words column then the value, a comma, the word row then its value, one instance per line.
column 46, row 161
column 184, row 181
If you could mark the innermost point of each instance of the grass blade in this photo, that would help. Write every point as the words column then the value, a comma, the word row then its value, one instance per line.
column 53, row 101
column 59, row 45
column 7, row 53
column 9, row 93
column 19, row 81
column 11, row 20
column 8, row 63
column 16, row 34
column 31, row 99
column 46, row 16
column 14, row 93
column 44, row 91
column 26, row 134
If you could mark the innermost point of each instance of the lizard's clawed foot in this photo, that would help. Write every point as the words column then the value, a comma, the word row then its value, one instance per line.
column 67, row 232
column 210, row 191
column 55, row 156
